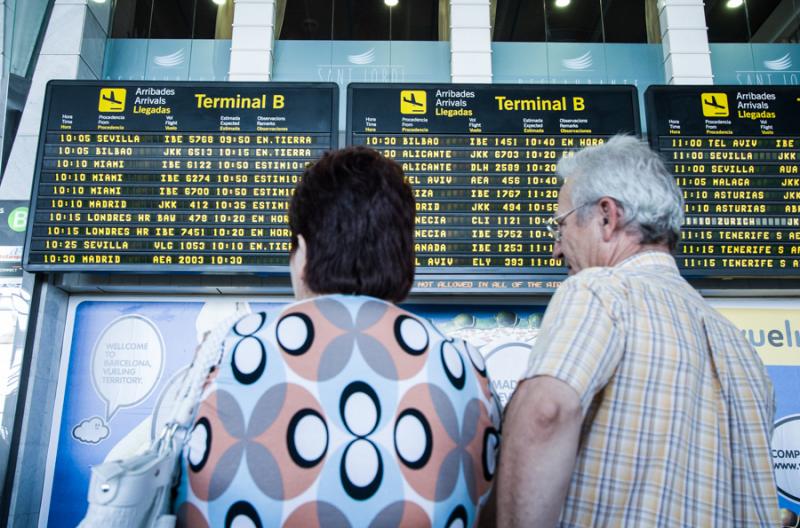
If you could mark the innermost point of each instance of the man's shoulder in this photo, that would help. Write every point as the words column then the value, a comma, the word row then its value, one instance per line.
column 597, row 280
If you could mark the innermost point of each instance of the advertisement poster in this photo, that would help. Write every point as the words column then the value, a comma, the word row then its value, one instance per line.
column 13, row 221
column 121, row 353
column 773, row 328
column 14, row 307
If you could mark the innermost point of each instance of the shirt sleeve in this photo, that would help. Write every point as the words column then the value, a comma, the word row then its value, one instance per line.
column 580, row 343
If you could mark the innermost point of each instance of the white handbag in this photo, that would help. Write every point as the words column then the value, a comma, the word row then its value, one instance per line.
column 135, row 492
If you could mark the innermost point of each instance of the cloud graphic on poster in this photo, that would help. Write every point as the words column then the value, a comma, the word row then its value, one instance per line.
column 783, row 63
column 584, row 62
column 171, row 60
column 368, row 57
column 91, row 431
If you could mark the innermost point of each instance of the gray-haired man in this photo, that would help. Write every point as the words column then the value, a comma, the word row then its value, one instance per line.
column 642, row 406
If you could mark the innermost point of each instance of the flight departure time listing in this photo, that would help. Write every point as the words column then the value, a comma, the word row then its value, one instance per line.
column 733, row 151
column 481, row 160
column 173, row 176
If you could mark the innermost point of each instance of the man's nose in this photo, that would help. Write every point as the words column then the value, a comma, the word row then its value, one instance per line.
column 557, row 253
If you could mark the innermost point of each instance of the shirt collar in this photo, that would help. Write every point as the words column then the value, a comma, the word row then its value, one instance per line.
column 650, row 258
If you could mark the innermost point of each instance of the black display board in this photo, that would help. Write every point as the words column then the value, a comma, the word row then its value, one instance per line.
column 733, row 151
column 481, row 159
column 165, row 176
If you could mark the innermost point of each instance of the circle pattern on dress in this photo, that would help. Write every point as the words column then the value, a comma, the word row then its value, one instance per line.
column 360, row 409
column 199, row 444
column 249, row 360
column 242, row 514
column 358, row 404
column 458, row 518
column 307, row 438
column 453, row 365
column 360, row 413
column 413, row 439
column 250, row 324
column 490, row 441
column 295, row 333
column 476, row 358
column 411, row 335
column 361, row 469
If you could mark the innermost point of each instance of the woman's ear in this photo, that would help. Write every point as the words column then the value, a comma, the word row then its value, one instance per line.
column 297, row 270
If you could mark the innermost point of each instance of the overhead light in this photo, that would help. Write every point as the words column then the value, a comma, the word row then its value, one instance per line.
column 220, row 2
column 391, row 3
column 733, row 4
column 99, row 1
column 562, row 3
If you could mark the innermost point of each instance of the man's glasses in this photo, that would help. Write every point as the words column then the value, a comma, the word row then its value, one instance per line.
column 554, row 225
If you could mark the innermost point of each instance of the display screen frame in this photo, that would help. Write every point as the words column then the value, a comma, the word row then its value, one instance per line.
column 488, row 279
column 326, row 89
column 656, row 124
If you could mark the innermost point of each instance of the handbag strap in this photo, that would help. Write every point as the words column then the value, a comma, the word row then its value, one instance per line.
column 208, row 355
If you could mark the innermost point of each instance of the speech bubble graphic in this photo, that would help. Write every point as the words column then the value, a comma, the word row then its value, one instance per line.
column 786, row 456
column 91, row 431
column 127, row 362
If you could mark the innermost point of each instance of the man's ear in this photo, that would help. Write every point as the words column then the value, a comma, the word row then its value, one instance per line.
column 612, row 217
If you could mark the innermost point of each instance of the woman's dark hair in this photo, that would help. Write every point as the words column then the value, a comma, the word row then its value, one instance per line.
column 356, row 213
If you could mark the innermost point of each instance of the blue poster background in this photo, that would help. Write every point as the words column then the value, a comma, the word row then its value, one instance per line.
column 786, row 380
column 177, row 321
column 500, row 332
column 71, row 476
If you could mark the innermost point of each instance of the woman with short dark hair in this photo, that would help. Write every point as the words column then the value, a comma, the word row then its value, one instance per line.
column 352, row 221
column 343, row 409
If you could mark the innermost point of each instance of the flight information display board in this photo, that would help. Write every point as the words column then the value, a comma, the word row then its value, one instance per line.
column 481, row 160
column 161, row 177
column 733, row 151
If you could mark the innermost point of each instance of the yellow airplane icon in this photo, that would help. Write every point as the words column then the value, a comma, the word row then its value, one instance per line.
column 715, row 104
column 413, row 102
column 111, row 100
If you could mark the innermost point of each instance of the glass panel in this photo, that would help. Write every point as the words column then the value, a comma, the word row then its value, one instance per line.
column 756, row 64
column 624, row 21
column 172, row 19
column 132, row 19
column 210, row 60
column 360, row 20
column 577, row 63
column 776, row 63
column 125, row 59
column 574, row 21
column 355, row 20
column 205, row 19
column 774, row 21
column 414, row 19
column 519, row 21
column 361, row 61
column 168, row 60
column 726, row 24
column 520, row 62
column 759, row 10
column 307, row 20
column 27, row 25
